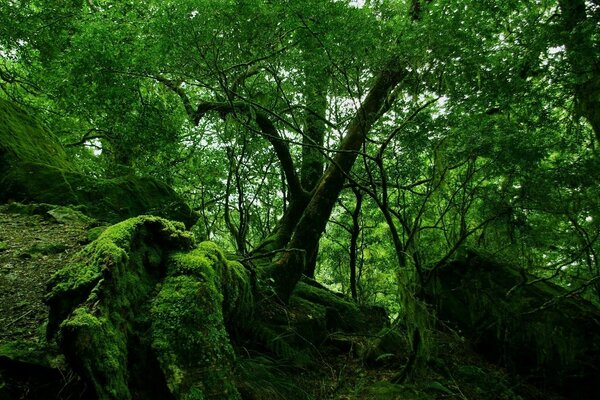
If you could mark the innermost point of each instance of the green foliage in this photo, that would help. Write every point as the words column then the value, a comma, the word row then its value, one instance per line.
column 489, row 142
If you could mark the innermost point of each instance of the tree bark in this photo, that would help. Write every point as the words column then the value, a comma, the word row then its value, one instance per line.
column 354, row 242
column 311, row 170
column 578, row 29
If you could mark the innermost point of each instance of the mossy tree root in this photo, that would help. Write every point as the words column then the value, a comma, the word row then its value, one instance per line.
column 143, row 313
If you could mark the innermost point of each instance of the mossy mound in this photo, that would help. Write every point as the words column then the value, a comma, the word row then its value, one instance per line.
column 142, row 315
column 530, row 326
column 110, row 200
column 23, row 138
column 145, row 313
column 34, row 168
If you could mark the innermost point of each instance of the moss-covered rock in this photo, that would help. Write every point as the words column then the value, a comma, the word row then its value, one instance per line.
column 23, row 138
column 35, row 168
column 340, row 312
column 530, row 326
column 142, row 292
column 110, row 200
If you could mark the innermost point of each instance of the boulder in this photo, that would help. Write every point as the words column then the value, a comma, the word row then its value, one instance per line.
column 34, row 168
column 530, row 326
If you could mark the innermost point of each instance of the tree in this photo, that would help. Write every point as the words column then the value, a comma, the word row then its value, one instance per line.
column 319, row 92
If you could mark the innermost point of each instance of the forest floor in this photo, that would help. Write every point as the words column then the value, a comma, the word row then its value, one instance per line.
column 35, row 245
column 32, row 248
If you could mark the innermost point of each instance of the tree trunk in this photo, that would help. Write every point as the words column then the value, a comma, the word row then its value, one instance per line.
column 579, row 30
column 315, row 93
column 355, row 232
column 288, row 269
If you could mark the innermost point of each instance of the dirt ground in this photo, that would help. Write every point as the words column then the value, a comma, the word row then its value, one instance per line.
column 32, row 248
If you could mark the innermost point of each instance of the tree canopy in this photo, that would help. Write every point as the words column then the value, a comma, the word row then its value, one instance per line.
column 455, row 123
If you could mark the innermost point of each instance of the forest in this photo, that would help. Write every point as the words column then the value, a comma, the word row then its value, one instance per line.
column 284, row 199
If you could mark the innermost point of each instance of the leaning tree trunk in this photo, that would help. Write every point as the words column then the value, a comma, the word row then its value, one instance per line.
column 313, row 160
column 289, row 267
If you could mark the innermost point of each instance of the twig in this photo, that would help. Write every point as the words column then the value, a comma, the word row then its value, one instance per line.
column 270, row 253
column 20, row 318
column 570, row 293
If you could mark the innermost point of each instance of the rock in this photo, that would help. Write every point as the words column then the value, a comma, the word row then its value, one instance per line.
column 34, row 168
column 534, row 329
column 67, row 215
column 109, row 200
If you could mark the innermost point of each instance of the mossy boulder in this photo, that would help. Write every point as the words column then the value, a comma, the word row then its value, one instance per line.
column 110, row 200
column 530, row 326
column 34, row 168
column 143, row 313
column 23, row 138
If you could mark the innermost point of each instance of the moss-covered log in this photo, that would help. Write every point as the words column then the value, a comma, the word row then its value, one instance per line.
column 530, row 326
column 143, row 314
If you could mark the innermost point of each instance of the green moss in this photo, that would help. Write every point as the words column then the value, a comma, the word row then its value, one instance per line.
column 94, row 233
column 101, row 352
column 190, row 339
column 188, row 314
column 98, row 300
column 140, row 279
column 3, row 246
column 310, row 323
column 235, row 283
column 68, row 215
column 341, row 313
column 29, row 352
column 23, row 138
column 110, row 200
